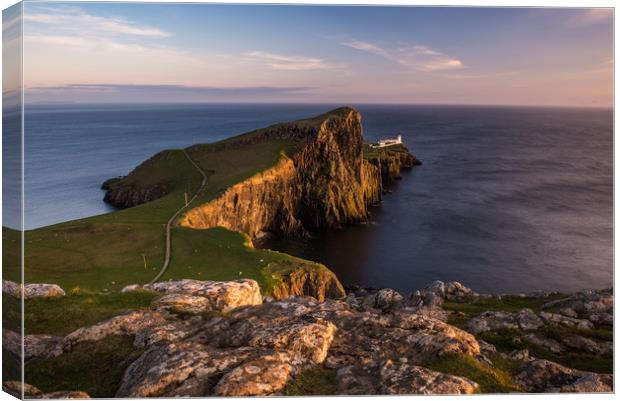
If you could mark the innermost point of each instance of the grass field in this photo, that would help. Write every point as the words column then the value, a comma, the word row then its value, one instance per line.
column 105, row 253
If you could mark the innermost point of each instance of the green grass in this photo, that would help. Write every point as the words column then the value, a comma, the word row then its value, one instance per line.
column 93, row 367
column 464, row 311
column 504, row 341
column 60, row 316
column 318, row 380
column 221, row 254
column 490, row 379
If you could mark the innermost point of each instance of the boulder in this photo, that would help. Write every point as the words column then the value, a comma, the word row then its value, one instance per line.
column 399, row 378
column 542, row 376
column 491, row 321
column 383, row 299
column 220, row 296
column 30, row 291
column 128, row 324
column 403, row 378
column 565, row 320
column 527, row 320
column 35, row 345
column 547, row 343
column 264, row 375
column 588, row 345
column 183, row 303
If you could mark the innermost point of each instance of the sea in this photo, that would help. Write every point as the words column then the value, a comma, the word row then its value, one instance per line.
column 508, row 199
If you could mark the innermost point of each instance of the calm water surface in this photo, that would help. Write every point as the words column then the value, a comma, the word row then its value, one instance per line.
column 508, row 199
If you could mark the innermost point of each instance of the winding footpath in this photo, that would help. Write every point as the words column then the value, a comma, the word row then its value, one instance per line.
column 174, row 216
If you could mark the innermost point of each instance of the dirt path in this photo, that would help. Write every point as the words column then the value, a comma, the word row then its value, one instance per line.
column 174, row 216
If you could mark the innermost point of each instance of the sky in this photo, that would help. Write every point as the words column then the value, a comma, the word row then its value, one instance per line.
column 124, row 52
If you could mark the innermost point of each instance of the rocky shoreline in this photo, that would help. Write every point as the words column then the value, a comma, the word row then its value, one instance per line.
column 224, row 339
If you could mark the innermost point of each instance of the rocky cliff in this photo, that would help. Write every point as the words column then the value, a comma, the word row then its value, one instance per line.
column 142, row 185
column 326, row 183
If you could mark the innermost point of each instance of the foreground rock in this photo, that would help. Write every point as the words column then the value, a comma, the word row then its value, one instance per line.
column 256, row 350
column 35, row 345
column 30, row 291
column 195, row 296
column 400, row 378
column 15, row 388
column 525, row 319
column 541, row 376
column 381, row 342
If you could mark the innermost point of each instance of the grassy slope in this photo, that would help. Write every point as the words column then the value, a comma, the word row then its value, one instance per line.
column 105, row 252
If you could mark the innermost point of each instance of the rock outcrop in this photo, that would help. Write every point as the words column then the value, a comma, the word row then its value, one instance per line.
column 541, row 376
column 29, row 291
column 381, row 342
column 325, row 183
column 203, row 296
column 320, row 283
column 137, row 188
column 256, row 349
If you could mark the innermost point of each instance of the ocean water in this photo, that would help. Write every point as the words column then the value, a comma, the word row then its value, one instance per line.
column 507, row 200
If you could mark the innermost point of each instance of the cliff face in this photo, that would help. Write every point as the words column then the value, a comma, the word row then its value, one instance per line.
column 326, row 183
column 144, row 184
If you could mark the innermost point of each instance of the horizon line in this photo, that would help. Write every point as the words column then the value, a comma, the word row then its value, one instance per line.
column 340, row 103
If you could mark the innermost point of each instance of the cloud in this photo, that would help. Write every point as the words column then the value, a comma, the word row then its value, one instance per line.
column 290, row 63
column 416, row 57
column 78, row 21
column 368, row 47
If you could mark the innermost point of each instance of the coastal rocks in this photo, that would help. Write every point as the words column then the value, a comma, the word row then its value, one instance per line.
column 257, row 349
column 183, row 368
column 491, row 321
column 219, row 296
column 383, row 299
column 548, row 343
column 30, row 291
column 251, row 352
column 528, row 320
column 390, row 161
column 134, row 190
column 402, row 378
column 436, row 292
column 595, row 306
column 525, row 319
column 262, row 376
column 128, row 324
column 565, row 320
column 542, row 376
column 183, row 303
column 320, row 283
column 399, row 378
column 588, row 345
column 15, row 388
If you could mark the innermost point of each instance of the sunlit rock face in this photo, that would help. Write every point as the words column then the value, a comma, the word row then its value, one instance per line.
column 326, row 183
